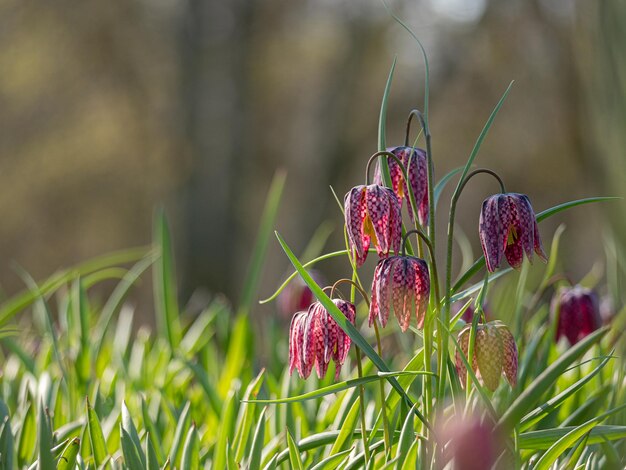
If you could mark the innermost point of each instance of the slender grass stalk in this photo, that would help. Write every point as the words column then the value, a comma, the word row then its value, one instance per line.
column 359, row 367
column 386, row 433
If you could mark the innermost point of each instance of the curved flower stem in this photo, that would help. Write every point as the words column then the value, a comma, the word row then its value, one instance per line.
column 382, row 397
column 355, row 285
column 405, row 175
column 446, row 308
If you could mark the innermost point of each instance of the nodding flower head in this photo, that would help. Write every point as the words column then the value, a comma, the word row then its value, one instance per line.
column 373, row 216
column 577, row 312
column 508, row 227
column 316, row 339
column 414, row 160
column 401, row 283
column 495, row 353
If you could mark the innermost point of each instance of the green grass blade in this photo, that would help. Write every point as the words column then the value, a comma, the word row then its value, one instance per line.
column 407, row 439
column 333, row 461
column 67, row 460
column 131, row 430
column 131, row 458
column 44, row 437
column 482, row 136
column 443, row 182
column 238, row 347
column 27, row 440
column 340, row 386
column 164, row 283
column 382, row 126
column 191, row 455
column 152, row 461
column 268, row 219
column 294, row 454
column 246, row 417
column 553, row 403
column 21, row 301
column 96, row 437
column 155, row 441
column 227, row 420
column 345, row 325
column 181, row 429
column 533, row 392
column 114, row 302
column 254, row 459
column 347, row 428
column 6, row 443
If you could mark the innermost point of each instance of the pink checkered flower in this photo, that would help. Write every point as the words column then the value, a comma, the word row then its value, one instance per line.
column 297, row 295
column 495, row 353
column 414, row 160
column 508, row 228
column 315, row 339
column 373, row 216
column 401, row 283
column 577, row 312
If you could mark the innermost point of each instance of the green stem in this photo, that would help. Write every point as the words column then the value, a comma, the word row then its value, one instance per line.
column 446, row 308
column 362, row 406
column 382, row 397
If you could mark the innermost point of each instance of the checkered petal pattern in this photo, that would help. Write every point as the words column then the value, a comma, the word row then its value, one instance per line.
column 495, row 354
column 415, row 162
column 373, row 216
column 315, row 339
column 508, row 227
column 401, row 283
column 577, row 311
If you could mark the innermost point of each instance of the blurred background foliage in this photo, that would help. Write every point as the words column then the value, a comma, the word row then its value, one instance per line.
column 110, row 109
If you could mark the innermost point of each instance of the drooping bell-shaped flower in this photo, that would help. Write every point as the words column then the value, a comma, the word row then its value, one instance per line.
column 401, row 283
column 315, row 339
column 373, row 216
column 414, row 160
column 297, row 296
column 508, row 228
column 495, row 353
column 577, row 312
column 470, row 442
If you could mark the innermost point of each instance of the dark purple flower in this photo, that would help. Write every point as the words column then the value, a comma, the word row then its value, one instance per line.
column 297, row 295
column 577, row 312
column 414, row 160
column 495, row 353
column 315, row 339
column 373, row 216
column 508, row 227
column 401, row 283
column 468, row 314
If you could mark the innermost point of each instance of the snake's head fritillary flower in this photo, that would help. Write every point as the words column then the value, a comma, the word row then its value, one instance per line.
column 577, row 312
column 315, row 339
column 373, row 216
column 414, row 160
column 401, row 283
column 469, row 442
column 297, row 296
column 508, row 228
column 495, row 353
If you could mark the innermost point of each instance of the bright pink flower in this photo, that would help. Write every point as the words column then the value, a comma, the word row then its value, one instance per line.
column 373, row 215
column 495, row 353
column 315, row 339
column 577, row 311
column 508, row 227
column 401, row 283
column 414, row 160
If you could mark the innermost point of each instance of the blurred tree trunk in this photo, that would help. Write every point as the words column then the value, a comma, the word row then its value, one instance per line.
column 214, row 47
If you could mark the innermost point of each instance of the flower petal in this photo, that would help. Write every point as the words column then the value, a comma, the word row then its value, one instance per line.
column 463, row 340
column 489, row 354
column 422, row 290
column 355, row 212
column 509, row 348
column 378, row 210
